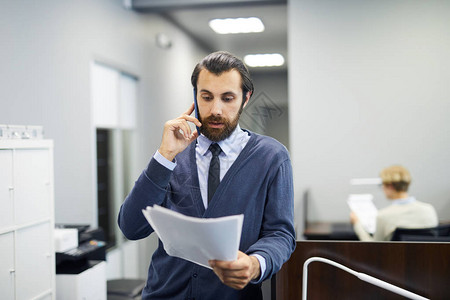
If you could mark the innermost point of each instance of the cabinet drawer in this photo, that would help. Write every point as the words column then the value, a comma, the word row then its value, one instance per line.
column 34, row 257
column 7, row 270
column 31, row 185
column 6, row 185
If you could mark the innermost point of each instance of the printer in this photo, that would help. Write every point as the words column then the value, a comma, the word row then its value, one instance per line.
column 80, row 262
column 76, row 245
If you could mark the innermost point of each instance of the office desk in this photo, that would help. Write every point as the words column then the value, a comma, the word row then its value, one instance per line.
column 329, row 231
column 422, row 268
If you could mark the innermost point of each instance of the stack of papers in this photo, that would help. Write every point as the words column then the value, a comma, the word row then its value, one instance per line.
column 196, row 239
column 362, row 205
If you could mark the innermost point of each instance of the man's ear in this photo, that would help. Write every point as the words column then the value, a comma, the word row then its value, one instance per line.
column 247, row 97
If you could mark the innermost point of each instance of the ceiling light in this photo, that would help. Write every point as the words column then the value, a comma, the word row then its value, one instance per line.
column 239, row 25
column 264, row 60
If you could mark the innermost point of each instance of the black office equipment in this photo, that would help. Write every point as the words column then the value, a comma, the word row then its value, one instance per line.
column 91, row 247
column 440, row 233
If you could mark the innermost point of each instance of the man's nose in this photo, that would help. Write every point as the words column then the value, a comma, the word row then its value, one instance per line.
column 216, row 107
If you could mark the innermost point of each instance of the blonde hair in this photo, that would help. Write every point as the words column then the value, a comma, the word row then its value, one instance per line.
column 397, row 176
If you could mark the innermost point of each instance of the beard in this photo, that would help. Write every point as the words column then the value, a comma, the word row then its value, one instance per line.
column 219, row 134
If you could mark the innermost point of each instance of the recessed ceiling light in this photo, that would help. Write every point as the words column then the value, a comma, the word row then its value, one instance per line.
column 238, row 25
column 264, row 60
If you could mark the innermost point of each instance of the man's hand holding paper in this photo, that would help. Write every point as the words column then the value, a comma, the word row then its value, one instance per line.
column 237, row 274
column 196, row 239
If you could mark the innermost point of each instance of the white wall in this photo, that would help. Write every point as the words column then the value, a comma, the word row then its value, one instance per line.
column 368, row 87
column 45, row 56
column 44, row 80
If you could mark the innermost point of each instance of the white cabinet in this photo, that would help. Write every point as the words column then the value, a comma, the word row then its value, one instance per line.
column 31, row 185
column 34, row 270
column 7, row 265
column 27, row 258
column 6, row 187
column 89, row 284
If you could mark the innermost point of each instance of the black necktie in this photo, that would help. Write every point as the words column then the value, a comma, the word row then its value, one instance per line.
column 214, row 170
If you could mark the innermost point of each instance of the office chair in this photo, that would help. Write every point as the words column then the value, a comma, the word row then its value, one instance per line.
column 440, row 233
column 423, row 238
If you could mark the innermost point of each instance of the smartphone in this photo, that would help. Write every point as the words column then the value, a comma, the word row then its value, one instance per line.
column 196, row 108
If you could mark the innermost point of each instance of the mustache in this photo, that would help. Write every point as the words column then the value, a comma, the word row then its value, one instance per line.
column 215, row 119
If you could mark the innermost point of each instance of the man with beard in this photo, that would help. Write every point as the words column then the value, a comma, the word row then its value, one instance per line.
column 254, row 178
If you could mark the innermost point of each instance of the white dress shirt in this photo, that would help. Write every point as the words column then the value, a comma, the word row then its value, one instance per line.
column 231, row 148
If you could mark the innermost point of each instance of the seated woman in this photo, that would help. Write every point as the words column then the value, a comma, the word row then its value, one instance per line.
column 405, row 211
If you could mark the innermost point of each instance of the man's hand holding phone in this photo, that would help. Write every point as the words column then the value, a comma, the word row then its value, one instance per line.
column 177, row 134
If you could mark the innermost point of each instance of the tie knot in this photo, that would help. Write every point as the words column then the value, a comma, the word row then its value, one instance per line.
column 215, row 149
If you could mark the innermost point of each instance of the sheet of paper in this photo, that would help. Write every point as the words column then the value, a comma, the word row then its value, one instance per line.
column 196, row 239
column 362, row 205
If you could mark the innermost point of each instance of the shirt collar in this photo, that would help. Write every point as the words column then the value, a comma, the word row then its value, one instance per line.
column 403, row 201
column 226, row 145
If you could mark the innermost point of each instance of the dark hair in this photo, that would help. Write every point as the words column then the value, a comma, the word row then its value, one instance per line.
column 222, row 61
column 400, row 186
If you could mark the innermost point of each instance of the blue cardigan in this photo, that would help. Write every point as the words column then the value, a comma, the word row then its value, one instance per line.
column 258, row 185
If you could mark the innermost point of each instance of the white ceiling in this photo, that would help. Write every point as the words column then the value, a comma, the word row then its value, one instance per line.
column 194, row 21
